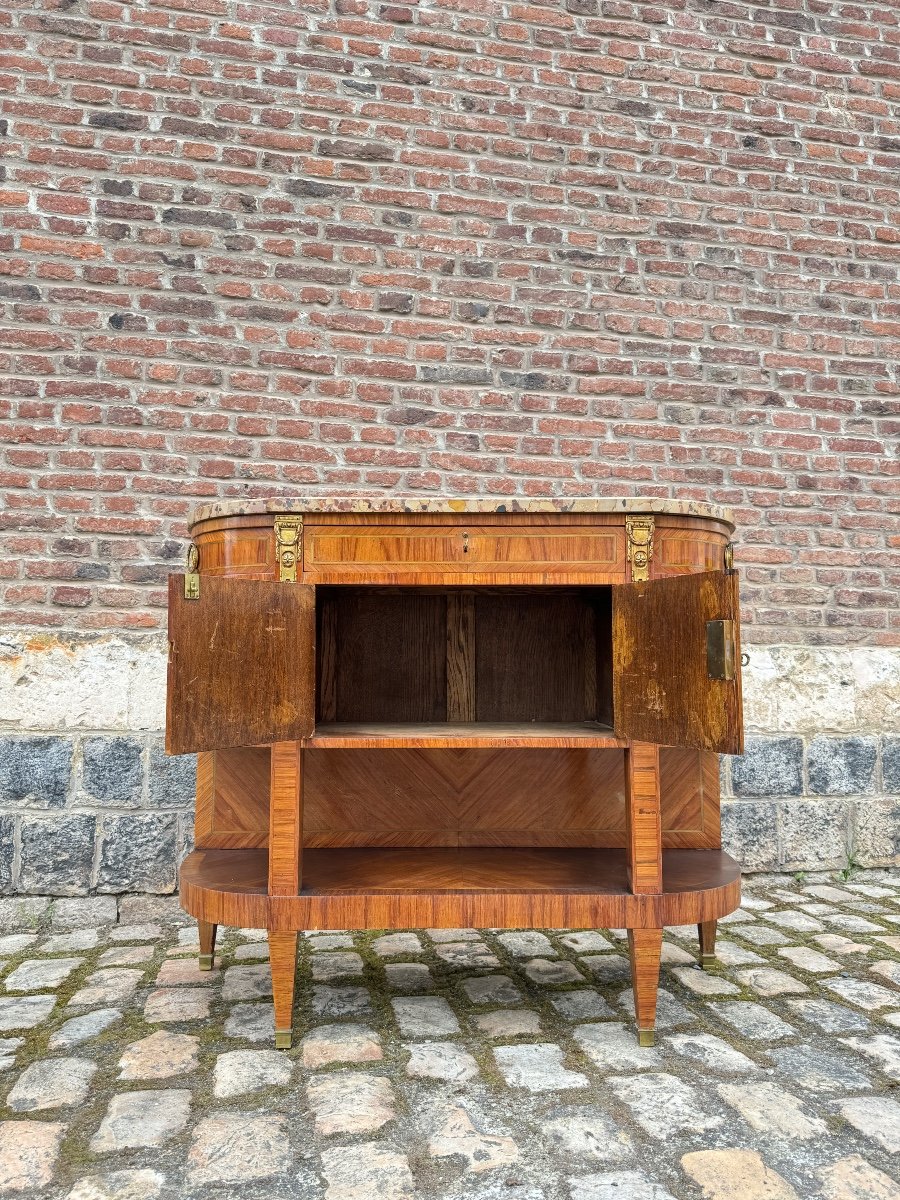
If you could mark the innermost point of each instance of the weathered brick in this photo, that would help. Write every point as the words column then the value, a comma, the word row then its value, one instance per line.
column 408, row 277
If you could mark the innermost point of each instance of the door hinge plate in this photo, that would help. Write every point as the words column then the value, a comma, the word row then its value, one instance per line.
column 191, row 576
column 720, row 649
column 288, row 547
column 639, row 536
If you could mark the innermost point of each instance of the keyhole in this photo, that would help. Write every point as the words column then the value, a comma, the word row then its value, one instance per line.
column 465, row 543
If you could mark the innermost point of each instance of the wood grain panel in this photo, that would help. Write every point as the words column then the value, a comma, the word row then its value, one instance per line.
column 285, row 819
column 408, row 549
column 461, row 656
column 662, row 691
column 241, row 664
column 392, row 656
column 248, row 553
column 204, row 803
column 643, row 834
column 233, row 806
column 450, row 553
column 552, row 550
column 535, row 656
column 686, row 551
column 689, row 793
column 471, row 797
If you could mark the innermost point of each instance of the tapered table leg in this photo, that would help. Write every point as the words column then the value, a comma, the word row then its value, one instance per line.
column 283, row 959
column 645, row 948
column 207, row 933
column 707, row 932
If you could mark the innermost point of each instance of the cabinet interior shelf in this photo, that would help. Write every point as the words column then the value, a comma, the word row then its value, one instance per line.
column 480, row 886
column 436, row 734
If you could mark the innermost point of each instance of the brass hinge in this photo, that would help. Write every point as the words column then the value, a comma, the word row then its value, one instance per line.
column 720, row 649
column 639, row 535
column 288, row 547
column 729, row 556
column 191, row 577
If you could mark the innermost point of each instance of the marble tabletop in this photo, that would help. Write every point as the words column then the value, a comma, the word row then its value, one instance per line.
column 431, row 504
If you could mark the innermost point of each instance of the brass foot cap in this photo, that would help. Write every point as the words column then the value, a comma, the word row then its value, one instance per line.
column 283, row 1039
column 707, row 960
column 206, row 962
column 646, row 1037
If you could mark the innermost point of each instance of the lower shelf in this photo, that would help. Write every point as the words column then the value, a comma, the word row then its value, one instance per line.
column 481, row 887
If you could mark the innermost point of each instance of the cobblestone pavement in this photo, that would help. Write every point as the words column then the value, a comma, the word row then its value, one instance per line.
column 461, row 1063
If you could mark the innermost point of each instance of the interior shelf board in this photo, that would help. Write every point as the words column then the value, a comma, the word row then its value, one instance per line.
column 509, row 734
column 472, row 887
column 479, row 869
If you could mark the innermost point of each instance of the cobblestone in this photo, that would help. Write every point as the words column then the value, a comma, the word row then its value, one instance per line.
column 440, row 1060
column 340, row 1043
column 177, row 1004
column 37, row 976
column 328, row 1001
column 142, row 1119
column 159, row 1056
column 852, row 1178
column 508, row 1022
column 425, row 1016
column 357, row 1103
column 663, row 1104
column 538, row 1068
column 765, row 1107
column 238, row 1148
column 504, row 1068
column 28, row 1153
column 457, row 1135
column 372, row 1169
column 735, row 1175
column 53, row 1083
column 240, row 1071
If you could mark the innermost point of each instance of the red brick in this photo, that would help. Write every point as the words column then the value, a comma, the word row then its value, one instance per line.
column 451, row 280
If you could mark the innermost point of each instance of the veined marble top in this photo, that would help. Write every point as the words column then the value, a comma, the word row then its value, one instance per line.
column 431, row 504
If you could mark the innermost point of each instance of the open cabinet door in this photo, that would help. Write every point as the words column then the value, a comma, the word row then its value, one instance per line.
column 677, row 662
column 241, row 664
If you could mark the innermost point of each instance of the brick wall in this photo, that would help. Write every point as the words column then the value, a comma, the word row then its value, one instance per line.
column 575, row 248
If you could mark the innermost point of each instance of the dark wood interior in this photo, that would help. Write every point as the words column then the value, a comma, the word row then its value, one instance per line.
column 509, row 656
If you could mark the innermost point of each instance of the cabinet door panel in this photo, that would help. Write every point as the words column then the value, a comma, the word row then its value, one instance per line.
column 241, row 664
column 662, row 689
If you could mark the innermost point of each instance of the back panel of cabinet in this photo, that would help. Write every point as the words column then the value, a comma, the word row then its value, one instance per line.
column 457, row 797
column 388, row 655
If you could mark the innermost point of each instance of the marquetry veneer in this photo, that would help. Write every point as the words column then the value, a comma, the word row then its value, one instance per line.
column 440, row 714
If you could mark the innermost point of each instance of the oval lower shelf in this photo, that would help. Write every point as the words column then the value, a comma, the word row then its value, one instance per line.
column 378, row 888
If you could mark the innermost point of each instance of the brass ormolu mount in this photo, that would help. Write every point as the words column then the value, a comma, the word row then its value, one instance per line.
column 288, row 547
column 639, row 538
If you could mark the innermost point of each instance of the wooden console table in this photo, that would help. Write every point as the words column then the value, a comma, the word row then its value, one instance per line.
column 330, row 660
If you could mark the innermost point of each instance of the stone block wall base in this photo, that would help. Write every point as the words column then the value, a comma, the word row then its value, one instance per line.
column 91, row 806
